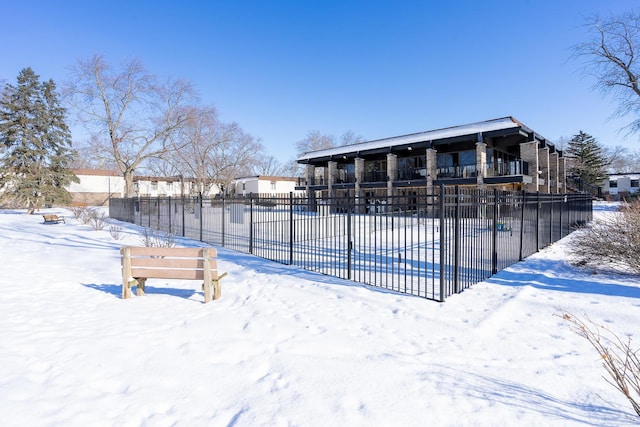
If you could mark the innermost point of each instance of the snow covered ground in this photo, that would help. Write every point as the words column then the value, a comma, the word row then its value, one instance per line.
column 284, row 346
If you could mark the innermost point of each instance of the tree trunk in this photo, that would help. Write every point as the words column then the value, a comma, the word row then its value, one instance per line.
column 128, row 183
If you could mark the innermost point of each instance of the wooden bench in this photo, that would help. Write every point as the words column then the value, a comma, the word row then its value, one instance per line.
column 142, row 263
column 52, row 219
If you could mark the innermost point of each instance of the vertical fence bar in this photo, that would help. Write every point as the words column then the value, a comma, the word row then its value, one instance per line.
column 523, row 202
column 538, row 207
column 201, row 214
column 349, row 238
column 170, row 230
column 251, row 223
column 494, row 234
column 456, row 242
column 442, row 245
column 222, row 226
column 291, row 228
column 182, row 197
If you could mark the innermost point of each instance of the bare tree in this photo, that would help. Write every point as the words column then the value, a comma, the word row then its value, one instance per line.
column 315, row 140
column 623, row 160
column 213, row 152
column 128, row 112
column 349, row 138
column 269, row 166
column 611, row 58
column 292, row 168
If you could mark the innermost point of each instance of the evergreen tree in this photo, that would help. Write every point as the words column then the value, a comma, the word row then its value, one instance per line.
column 35, row 144
column 587, row 161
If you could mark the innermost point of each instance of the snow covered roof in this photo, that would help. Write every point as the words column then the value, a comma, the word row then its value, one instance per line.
column 504, row 123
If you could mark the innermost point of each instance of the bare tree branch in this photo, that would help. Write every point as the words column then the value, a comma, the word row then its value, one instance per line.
column 127, row 112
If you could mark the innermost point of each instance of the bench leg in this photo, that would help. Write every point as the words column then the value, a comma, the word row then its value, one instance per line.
column 140, row 287
column 126, row 288
column 207, row 292
column 217, row 289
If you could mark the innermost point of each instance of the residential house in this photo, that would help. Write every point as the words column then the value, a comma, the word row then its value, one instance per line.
column 263, row 185
column 621, row 185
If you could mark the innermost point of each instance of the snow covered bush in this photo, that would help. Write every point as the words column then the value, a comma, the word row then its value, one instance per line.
column 95, row 218
column 157, row 238
column 116, row 232
column 614, row 241
column 78, row 211
column 619, row 359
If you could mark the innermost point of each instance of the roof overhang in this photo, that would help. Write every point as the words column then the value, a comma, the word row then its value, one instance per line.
column 477, row 132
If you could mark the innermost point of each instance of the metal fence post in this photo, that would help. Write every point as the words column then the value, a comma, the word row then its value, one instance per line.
column 538, row 207
column 494, row 235
column 442, row 245
column 456, row 243
column 553, row 202
column 201, row 214
column 158, row 206
column 222, row 228
column 170, row 230
column 291, row 228
column 523, row 199
column 251, row 223
column 182, row 197
column 349, row 241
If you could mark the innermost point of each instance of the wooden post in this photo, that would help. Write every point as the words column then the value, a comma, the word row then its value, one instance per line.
column 217, row 289
column 208, row 281
column 139, row 286
column 126, row 271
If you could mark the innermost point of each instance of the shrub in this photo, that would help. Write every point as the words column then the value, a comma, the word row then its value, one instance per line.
column 614, row 241
column 116, row 232
column 620, row 361
column 78, row 211
column 157, row 238
column 94, row 218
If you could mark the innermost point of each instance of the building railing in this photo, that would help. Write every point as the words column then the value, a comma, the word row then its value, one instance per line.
column 345, row 178
column 466, row 171
column 514, row 167
column 411, row 174
column 430, row 242
column 375, row 176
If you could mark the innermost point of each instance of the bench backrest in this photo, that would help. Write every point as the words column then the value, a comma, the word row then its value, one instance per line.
column 170, row 263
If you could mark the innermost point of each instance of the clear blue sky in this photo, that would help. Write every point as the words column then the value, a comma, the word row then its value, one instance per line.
column 377, row 68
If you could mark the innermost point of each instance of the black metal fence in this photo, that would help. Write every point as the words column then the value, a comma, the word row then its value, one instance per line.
column 426, row 242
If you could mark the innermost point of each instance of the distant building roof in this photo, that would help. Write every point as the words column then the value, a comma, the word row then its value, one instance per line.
column 267, row 178
column 95, row 172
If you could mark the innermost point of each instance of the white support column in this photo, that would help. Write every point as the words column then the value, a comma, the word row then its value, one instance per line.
column 481, row 161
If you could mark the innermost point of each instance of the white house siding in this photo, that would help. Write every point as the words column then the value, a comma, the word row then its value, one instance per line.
column 622, row 184
column 270, row 185
column 96, row 186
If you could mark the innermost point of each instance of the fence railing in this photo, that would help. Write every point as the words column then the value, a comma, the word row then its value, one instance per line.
column 432, row 243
